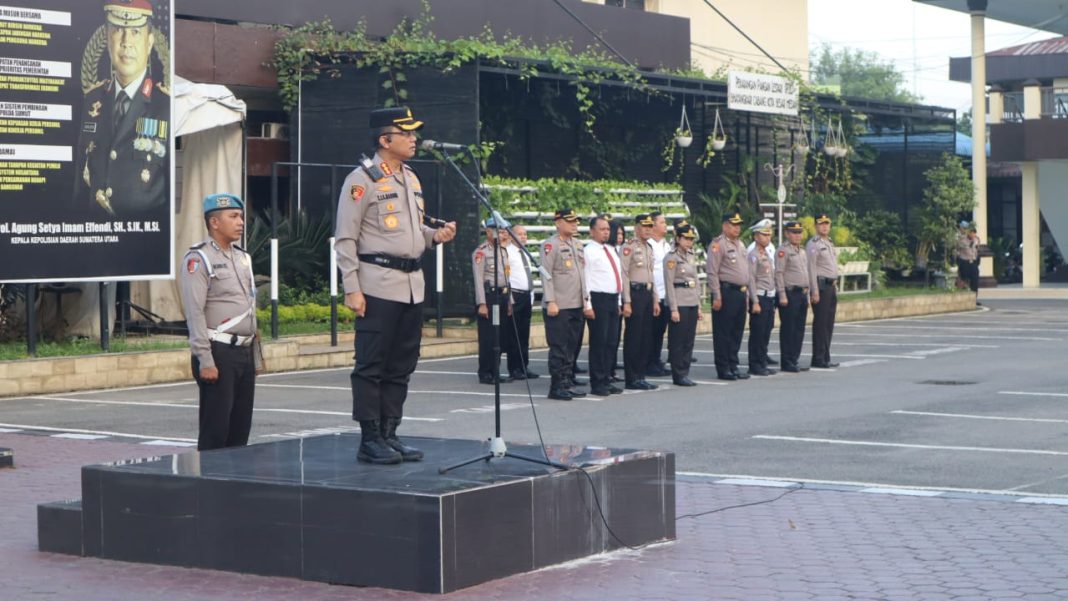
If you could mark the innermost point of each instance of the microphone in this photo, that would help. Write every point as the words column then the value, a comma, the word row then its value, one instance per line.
column 446, row 146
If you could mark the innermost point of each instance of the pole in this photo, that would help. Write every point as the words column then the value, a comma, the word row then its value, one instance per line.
column 439, row 272
column 104, row 343
column 274, row 251
column 31, row 319
column 333, row 261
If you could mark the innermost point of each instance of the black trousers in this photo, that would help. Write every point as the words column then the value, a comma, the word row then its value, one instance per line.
column 792, row 327
column 518, row 331
column 387, row 350
column 969, row 272
column 489, row 363
column 562, row 332
column 760, row 325
column 226, row 405
column 680, row 341
column 638, row 336
column 823, row 314
column 728, row 327
column 656, row 340
column 604, row 333
column 578, row 345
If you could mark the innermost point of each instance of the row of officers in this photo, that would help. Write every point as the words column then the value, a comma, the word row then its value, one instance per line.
column 634, row 291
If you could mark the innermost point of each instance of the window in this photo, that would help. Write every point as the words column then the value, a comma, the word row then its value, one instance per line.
column 637, row 4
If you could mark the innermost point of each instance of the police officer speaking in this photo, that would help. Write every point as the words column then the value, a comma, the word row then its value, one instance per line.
column 219, row 298
column 380, row 239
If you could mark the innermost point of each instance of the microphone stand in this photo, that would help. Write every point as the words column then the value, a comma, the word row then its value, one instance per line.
column 498, row 449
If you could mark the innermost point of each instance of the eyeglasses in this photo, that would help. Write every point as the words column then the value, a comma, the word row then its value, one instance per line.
column 406, row 134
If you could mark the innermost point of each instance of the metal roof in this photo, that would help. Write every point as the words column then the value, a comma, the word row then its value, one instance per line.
column 1047, row 15
column 1044, row 47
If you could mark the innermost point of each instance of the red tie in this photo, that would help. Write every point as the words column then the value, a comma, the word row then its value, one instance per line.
column 615, row 270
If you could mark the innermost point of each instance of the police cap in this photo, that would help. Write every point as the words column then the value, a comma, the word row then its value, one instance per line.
column 398, row 116
column 218, row 202
column 128, row 13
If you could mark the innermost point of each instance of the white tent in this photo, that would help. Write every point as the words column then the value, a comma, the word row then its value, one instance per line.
column 209, row 159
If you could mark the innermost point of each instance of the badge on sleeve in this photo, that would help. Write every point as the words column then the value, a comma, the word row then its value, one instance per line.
column 478, row 257
column 548, row 248
column 356, row 192
column 782, row 253
column 626, row 251
column 671, row 265
column 192, row 265
column 715, row 247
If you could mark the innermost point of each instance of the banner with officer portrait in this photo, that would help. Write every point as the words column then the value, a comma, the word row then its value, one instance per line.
column 86, row 145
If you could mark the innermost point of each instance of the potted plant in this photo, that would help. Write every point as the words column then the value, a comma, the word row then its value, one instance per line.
column 719, row 136
column 683, row 133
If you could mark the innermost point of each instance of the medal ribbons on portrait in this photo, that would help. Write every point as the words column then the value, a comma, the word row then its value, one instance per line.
column 151, row 134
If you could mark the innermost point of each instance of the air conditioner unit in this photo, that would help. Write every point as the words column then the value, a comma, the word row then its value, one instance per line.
column 277, row 131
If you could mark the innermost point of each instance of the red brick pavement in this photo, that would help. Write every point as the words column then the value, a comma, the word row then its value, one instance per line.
column 811, row 544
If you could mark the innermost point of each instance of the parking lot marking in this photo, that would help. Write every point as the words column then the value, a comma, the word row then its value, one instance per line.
column 987, row 327
column 900, row 445
column 987, row 417
column 194, row 406
column 954, row 336
column 76, row 436
column 102, row 432
column 860, row 362
column 1020, row 393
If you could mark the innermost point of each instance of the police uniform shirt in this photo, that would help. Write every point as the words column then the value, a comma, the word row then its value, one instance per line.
column 822, row 260
column 680, row 267
column 122, row 159
column 383, row 217
column 726, row 263
column 967, row 247
column 660, row 250
column 210, row 302
column 770, row 248
column 603, row 268
column 567, row 287
column 761, row 274
column 483, row 264
column 637, row 263
column 791, row 270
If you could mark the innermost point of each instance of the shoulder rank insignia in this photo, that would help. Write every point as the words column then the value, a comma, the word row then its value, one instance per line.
column 386, row 169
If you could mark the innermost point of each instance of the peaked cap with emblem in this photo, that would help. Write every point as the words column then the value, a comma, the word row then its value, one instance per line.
column 128, row 13
column 218, row 202
column 793, row 226
column 823, row 218
column 762, row 227
column 734, row 218
column 643, row 219
column 686, row 231
column 398, row 116
column 567, row 214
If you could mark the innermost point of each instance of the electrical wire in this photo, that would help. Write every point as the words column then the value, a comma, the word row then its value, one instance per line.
column 800, row 486
column 595, row 34
column 744, row 35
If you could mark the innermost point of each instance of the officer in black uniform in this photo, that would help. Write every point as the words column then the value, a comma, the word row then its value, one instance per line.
column 219, row 298
column 381, row 237
column 123, row 153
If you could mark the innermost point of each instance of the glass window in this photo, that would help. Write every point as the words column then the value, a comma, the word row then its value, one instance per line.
column 638, row 4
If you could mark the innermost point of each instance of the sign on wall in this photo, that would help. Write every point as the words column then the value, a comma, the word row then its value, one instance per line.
column 760, row 93
column 86, row 143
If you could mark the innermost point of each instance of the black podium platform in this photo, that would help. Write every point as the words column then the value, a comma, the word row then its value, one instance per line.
column 305, row 508
column 7, row 458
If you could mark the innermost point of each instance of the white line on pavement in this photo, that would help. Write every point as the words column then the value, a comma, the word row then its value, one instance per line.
column 954, row 336
column 866, row 443
column 1019, row 393
column 1037, row 420
column 346, row 388
column 75, row 436
column 105, row 433
column 168, row 443
column 937, row 327
column 669, row 381
column 860, row 362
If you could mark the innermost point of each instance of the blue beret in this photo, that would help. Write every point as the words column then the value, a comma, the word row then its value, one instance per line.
column 217, row 202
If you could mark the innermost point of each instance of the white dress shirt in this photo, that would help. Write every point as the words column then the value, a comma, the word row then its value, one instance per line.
column 660, row 250
column 517, row 269
column 600, row 275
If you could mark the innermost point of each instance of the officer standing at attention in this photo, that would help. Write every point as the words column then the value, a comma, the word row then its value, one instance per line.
column 728, row 282
column 968, row 256
column 565, row 303
column 606, row 282
column 762, row 298
column 661, row 247
column 792, row 284
column 122, row 162
column 823, row 271
column 518, row 324
column 684, row 303
column 491, row 288
column 641, row 304
column 380, row 239
column 219, row 299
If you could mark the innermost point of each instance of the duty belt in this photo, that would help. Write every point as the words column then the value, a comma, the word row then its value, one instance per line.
column 641, row 286
column 826, row 281
column 801, row 289
column 730, row 286
column 766, row 293
column 230, row 339
column 690, row 284
column 491, row 290
column 399, row 263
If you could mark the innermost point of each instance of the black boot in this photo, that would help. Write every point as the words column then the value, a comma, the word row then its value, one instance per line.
column 389, row 433
column 373, row 449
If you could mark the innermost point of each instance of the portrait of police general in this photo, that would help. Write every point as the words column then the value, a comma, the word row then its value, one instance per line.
column 123, row 154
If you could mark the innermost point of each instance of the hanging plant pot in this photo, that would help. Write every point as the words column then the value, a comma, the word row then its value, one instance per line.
column 683, row 139
column 719, row 142
column 831, row 151
column 843, row 151
column 801, row 148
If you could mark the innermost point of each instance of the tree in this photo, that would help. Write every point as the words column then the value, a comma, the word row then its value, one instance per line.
column 964, row 123
column 949, row 194
column 859, row 73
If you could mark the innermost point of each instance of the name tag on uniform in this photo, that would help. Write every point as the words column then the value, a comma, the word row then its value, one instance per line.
column 89, row 127
column 387, row 196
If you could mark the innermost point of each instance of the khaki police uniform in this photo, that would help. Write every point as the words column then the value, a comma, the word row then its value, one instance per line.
column 728, row 280
column 762, row 293
column 684, row 296
column 567, row 288
column 968, row 260
column 823, row 271
column 792, row 282
column 219, row 299
column 636, row 261
column 491, row 289
column 380, row 240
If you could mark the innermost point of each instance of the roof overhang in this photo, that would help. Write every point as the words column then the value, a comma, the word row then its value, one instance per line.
column 1047, row 15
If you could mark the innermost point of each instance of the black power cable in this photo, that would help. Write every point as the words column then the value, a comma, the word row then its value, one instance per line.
column 746, row 36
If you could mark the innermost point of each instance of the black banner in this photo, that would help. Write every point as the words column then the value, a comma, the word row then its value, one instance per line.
column 86, row 143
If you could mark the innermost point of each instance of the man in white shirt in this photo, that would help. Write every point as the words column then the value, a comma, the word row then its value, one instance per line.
column 517, row 327
column 661, row 247
column 605, row 281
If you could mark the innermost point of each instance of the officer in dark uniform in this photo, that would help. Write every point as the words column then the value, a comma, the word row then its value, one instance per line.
column 380, row 240
column 728, row 283
column 823, row 271
column 684, row 303
column 792, row 283
column 641, row 304
column 489, row 264
column 219, row 298
column 123, row 153
column 565, row 303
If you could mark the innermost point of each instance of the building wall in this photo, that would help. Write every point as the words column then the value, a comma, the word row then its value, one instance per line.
column 779, row 26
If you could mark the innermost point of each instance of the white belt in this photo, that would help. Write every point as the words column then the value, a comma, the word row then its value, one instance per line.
column 767, row 293
column 231, row 339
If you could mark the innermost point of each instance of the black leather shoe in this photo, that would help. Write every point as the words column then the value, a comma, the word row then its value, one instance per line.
column 824, row 365
column 615, row 379
column 489, row 380
column 772, row 361
column 517, row 376
column 600, row 392
column 561, row 394
column 740, row 376
column 833, row 364
column 389, row 434
column 579, row 382
column 759, row 372
column 657, row 372
column 728, row 377
column 577, row 392
column 693, row 359
column 532, row 375
column 580, row 370
column 635, row 386
column 615, row 389
column 684, row 382
column 649, row 385
column 792, row 369
column 373, row 448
